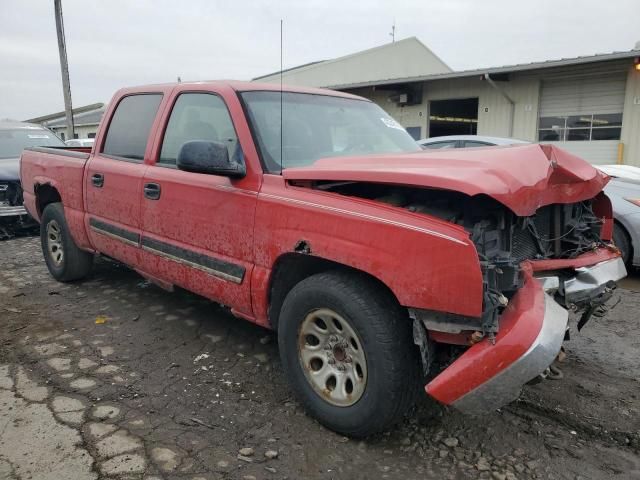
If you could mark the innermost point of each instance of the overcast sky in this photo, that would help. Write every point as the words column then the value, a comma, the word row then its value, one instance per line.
column 119, row 43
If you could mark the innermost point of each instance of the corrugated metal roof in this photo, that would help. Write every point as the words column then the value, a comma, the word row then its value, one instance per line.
column 87, row 118
column 562, row 62
column 76, row 111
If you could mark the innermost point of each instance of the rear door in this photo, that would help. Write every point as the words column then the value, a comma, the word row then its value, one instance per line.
column 198, row 228
column 114, row 177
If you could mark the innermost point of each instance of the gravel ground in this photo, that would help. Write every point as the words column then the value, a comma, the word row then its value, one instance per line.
column 113, row 377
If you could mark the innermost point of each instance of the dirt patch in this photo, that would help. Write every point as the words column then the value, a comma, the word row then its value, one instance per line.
column 172, row 385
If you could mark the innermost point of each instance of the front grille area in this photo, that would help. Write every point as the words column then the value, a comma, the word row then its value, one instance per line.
column 556, row 231
column 10, row 193
column 524, row 245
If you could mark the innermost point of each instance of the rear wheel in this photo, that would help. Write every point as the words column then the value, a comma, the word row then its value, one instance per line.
column 65, row 261
column 621, row 240
column 347, row 350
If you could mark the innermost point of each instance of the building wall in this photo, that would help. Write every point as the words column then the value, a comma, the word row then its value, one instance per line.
column 494, row 111
column 82, row 131
column 631, row 119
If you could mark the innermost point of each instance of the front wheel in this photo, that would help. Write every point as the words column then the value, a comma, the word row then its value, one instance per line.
column 347, row 349
column 65, row 261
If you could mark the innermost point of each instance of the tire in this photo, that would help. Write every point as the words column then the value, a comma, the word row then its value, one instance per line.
column 621, row 240
column 375, row 332
column 65, row 261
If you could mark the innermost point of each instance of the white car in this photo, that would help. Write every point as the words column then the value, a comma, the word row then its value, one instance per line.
column 623, row 190
column 80, row 142
column 623, row 172
column 465, row 141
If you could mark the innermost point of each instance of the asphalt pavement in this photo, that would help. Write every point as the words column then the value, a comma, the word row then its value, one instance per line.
column 112, row 377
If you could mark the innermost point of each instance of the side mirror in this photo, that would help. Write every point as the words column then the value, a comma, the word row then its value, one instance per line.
column 200, row 156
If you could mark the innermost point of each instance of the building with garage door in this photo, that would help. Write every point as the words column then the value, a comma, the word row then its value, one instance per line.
column 588, row 105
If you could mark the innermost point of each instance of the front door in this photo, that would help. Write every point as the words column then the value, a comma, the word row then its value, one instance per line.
column 114, row 179
column 198, row 228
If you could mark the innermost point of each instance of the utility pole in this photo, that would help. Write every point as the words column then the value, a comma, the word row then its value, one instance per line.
column 392, row 34
column 64, row 67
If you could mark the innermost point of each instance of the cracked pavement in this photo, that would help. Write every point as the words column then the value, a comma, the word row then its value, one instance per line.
column 112, row 377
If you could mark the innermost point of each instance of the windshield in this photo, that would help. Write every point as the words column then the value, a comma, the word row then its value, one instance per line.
column 319, row 126
column 13, row 141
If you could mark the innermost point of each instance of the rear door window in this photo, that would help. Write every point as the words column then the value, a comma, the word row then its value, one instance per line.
column 130, row 126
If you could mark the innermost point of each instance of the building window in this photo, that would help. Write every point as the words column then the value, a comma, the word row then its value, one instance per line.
column 597, row 126
column 91, row 135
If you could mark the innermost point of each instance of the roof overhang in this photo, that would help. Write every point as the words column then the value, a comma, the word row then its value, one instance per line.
column 605, row 57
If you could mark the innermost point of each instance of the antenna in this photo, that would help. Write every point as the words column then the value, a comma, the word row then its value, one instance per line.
column 281, row 122
column 393, row 31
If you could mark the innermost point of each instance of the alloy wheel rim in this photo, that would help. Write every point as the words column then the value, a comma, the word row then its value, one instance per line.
column 54, row 242
column 332, row 357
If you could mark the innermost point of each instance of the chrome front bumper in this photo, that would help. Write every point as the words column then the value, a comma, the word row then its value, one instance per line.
column 505, row 387
column 9, row 211
column 532, row 330
column 592, row 281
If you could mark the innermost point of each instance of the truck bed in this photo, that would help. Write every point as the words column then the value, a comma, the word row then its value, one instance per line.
column 61, row 168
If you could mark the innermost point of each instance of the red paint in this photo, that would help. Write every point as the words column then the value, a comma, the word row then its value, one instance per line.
column 462, row 338
column 519, row 326
column 251, row 222
column 604, row 210
column 584, row 260
column 387, row 242
column 521, row 177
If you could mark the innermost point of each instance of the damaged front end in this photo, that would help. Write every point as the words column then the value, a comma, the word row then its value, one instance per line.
column 535, row 270
column 556, row 232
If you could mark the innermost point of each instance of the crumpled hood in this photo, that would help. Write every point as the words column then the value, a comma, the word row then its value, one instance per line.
column 9, row 169
column 521, row 177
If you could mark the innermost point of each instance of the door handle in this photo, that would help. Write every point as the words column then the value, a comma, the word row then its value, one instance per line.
column 152, row 191
column 97, row 179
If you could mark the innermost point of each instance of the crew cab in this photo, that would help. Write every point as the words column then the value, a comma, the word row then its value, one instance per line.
column 315, row 214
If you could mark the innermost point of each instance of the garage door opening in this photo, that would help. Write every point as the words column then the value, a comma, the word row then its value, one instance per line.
column 453, row 117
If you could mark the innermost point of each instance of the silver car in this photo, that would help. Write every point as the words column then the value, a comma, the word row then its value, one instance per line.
column 465, row 141
column 623, row 190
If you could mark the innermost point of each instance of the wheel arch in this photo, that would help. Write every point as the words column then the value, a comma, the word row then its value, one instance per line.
column 291, row 268
column 45, row 195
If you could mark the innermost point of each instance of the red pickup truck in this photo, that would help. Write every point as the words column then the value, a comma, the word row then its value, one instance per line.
column 315, row 214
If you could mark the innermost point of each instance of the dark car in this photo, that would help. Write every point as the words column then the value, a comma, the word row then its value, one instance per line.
column 14, row 138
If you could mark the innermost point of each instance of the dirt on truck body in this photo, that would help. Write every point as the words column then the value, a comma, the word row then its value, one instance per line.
column 380, row 266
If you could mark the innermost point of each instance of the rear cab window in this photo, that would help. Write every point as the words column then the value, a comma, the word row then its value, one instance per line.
column 130, row 126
